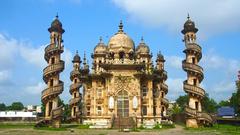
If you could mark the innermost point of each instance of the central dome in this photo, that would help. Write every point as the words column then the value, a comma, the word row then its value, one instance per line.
column 121, row 40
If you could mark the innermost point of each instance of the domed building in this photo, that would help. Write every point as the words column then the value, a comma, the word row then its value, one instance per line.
column 124, row 88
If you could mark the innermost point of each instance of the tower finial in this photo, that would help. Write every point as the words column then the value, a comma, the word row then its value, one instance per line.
column 188, row 17
column 57, row 16
column 120, row 26
column 84, row 59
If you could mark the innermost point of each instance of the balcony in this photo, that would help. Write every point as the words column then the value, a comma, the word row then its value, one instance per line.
column 164, row 87
column 53, row 68
column 57, row 112
column 52, row 91
column 204, row 116
column 74, row 101
column 74, row 73
column 190, row 67
column 194, row 46
column 52, row 48
column 74, row 87
column 193, row 89
column 165, row 101
column 190, row 111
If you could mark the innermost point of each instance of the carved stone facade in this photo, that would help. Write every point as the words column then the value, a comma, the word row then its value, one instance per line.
column 123, row 83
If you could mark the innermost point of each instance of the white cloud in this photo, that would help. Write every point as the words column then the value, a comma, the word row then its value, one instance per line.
column 175, row 87
column 212, row 60
column 174, row 61
column 11, row 48
column 224, row 86
column 33, row 55
column 7, row 52
column 4, row 75
column 35, row 89
column 211, row 16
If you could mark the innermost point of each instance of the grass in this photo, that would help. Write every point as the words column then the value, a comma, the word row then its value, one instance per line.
column 15, row 125
column 218, row 128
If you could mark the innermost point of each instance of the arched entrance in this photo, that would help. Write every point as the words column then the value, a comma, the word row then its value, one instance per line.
column 122, row 104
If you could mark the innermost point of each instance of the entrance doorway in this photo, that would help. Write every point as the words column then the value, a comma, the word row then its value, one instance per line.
column 122, row 104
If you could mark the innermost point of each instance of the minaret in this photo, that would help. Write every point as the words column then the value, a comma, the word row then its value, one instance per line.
column 162, row 85
column 50, row 96
column 194, row 115
column 74, row 88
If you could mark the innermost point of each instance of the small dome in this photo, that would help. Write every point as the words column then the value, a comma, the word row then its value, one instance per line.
column 121, row 40
column 160, row 57
column 56, row 25
column 101, row 47
column 142, row 47
column 76, row 58
column 189, row 26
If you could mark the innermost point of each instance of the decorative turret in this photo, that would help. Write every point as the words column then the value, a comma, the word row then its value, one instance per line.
column 74, row 88
column 160, row 61
column 194, row 115
column 50, row 96
column 142, row 48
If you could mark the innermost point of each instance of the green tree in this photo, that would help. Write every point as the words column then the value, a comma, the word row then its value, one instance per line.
column 17, row 106
column 43, row 108
column 182, row 101
column 209, row 105
column 235, row 99
column 175, row 109
column 2, row 107
column 224, row 103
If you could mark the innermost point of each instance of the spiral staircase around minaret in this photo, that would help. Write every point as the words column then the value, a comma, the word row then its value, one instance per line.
column 194, row 115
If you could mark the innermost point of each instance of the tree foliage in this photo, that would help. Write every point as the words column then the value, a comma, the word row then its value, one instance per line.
column 2, row 107
column 209, row 105
column 182, row 101
column 17, row 106
column 234, row 101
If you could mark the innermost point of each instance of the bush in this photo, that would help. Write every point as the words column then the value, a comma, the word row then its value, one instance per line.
column 157, row 126
column 83, row 126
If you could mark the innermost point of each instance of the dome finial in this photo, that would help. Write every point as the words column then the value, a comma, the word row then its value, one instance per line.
column 142, row 40
column 120, row 26
column 76, row 51
column 100, row 39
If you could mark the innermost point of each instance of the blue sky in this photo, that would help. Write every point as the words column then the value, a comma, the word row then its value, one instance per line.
column 23, row 36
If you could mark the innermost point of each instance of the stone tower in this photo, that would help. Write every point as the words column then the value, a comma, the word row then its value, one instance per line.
column 194, row 115
column 161, row 86
column 50, row 96
column 74, row 88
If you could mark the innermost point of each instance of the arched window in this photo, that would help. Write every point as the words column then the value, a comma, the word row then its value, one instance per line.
column 123, row 104
column 121, row 55
column 144, row 91
column 51, row 82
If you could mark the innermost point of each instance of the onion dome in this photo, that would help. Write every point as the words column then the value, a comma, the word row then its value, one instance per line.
column 189, row 26
column 121, row 41
column 56, row 26
column 100, row 48
column 160, row 57
column 76, row 58
column 142, row 48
